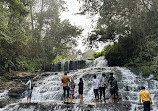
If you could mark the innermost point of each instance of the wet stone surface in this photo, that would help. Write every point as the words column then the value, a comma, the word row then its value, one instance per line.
column 69, row 107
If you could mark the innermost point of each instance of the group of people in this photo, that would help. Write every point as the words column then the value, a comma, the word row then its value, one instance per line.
column 70, row 86
column 99, row 87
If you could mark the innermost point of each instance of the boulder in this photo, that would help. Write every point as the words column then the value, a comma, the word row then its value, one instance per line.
column 16, row 92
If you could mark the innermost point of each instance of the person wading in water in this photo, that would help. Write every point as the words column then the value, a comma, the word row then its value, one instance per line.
column 102, row 87
column 65, row 80
column 96, row 88
column 72, row 89
column 29, row 89
column 80, row 90
column 145, row 97
column 113, row 88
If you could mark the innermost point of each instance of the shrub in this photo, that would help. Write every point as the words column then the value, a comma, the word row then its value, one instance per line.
column 145, row 70
column 97, row 54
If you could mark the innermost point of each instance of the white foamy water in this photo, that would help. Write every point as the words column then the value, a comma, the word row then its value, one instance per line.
column 99, row 62
column 134, row 82
column 50, row 88
column 3, row 94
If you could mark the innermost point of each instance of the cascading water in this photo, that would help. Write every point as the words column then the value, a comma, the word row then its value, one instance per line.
column 49, row 89
column 3, row 94
column 99, row 62
column 132, row 84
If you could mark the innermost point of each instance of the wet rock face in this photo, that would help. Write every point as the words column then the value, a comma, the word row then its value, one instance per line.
column 16, row 92
column 6, row 101
column 69, row 107
column 3, row 103
column 68, row 65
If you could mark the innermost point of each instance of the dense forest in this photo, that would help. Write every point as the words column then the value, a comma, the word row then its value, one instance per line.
column 32, row 34
column 132, row 28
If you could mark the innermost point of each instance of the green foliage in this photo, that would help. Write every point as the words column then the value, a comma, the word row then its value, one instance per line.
column 30, row 41
column 88, row 54
column 98, row 54
column 104, row 52
column 154, row 66
column 130, row 63
column 156, row 77
column 145, row 70
column 33, row 64
column 13, row 36
column 133, row 28
column 58, row 59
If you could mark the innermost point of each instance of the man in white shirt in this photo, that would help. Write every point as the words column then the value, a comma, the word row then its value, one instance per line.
column 102, row 87
column 96, row 88
column 29, row 89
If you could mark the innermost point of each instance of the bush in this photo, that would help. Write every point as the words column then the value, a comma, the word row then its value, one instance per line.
column 8, row 75
column 131, row 63
column 145, row 70
column 97, row 54
column 156, row 77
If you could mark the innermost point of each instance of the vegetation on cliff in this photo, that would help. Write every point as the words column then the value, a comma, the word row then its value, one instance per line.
column 132, row 28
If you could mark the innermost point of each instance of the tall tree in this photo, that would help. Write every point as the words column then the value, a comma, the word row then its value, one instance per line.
column 128, row 24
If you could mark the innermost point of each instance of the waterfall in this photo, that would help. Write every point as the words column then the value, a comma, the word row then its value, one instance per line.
column 81, row 64
column 99, row 62
column 3, row 94
column 49, row 89
column 62, row 66
column 132, row 84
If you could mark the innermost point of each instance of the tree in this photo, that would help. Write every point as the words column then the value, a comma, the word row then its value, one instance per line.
column 126, row 23
column 13, row 34
column 132, row 27
column 31, row 38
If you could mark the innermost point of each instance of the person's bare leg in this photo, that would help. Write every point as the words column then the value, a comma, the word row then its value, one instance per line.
column 81, row 98
column 112, row 100
column 30, row 99
column 71, row 98
column 64, row 99
column 118, row 99
column 96, row 100
column 27, row 99
column 67, row 99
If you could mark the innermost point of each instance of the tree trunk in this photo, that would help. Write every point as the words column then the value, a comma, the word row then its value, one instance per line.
column 31, row 18
column 41, row 18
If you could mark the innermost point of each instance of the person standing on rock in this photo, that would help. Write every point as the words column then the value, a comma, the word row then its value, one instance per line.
column 65, row 80
column 72, row 89
column 113, row 88
column 29, row 90
column 111, row 77
column 96, row 88
column 102, row 87
column 80, row 90
column 145, row 97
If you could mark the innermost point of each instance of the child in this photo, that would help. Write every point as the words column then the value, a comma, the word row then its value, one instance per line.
column 72, row 88
column 81, row 90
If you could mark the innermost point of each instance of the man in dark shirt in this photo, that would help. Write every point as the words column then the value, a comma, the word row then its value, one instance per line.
column 113, row 87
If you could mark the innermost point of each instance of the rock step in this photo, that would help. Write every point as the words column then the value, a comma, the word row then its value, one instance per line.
column 60, row 106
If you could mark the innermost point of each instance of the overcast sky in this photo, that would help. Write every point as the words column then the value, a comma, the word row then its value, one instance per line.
column 79, row 20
